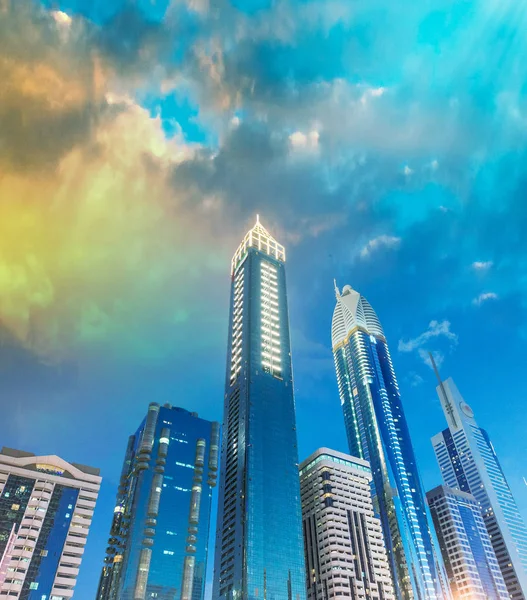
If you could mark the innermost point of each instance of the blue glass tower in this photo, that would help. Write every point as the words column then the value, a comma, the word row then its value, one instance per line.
column 160, row 528
column 259, row 544
column 377, row 432
column 469, row 463
column 470, row 562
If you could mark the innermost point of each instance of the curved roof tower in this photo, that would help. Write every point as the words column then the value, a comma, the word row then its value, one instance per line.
column 377, row 431
column 352, row 311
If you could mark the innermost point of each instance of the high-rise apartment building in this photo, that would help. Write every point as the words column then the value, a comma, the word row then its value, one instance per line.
column 471, row 565
column 343, row 540
column 469, row 463
column 46, row 509
column 377, row 432
column 159, row 533
column 259, row 548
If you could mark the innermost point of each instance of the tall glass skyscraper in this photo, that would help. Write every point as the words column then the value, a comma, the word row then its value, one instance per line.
column 259, row 545
column 159, row 533
column 470, row 562
column 469, row 463
column 377, row 432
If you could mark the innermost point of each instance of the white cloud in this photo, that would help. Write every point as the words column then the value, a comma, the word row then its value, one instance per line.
column 407, row 170
column 382, row 241
column 435, row 329
column 439, row 357
column 479, row 265
column 299, row 140
column 484, row 297
column 61, row 18
column 414, row 379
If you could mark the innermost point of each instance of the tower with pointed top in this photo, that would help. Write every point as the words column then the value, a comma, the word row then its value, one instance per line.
column 469, row 463
column 377, row 432
column 259, row 542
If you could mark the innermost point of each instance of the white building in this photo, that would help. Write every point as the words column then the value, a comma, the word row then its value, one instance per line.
column 343, row 540
column 469, row 463
column 46, row 509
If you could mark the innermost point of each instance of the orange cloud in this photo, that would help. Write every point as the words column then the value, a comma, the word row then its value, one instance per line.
column 97, row 248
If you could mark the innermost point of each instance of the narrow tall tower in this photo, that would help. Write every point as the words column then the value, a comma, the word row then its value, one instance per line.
column 469, row 463
column 259, row 546
column 377, row 432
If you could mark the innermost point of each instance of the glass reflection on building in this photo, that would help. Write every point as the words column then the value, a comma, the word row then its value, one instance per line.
column 259, row 545
column 470, row 562
column 159, row 533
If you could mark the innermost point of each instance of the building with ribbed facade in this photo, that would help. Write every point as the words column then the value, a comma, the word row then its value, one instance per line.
column 343, row 540
column 158, row 542
column 259, row 547
column 46, row 510
column 468, row 462
column 377, row 432
column 471, row 565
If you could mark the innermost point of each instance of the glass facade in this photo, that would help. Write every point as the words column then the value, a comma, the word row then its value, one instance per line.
column 377, row 432
column 470, row 562
column 46, row 506
column 469, row 463
column 259, row 546
column 159, row 534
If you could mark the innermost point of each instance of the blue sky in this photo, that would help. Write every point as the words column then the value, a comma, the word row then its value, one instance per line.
column 382, row 143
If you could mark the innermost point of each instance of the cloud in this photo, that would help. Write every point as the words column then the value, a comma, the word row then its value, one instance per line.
column 299, row 140
column 436, row 329
column 414, row 379
column 439, row 357
column 484, row 297
column 94, row 252
column 482, row 265
column 382, row 241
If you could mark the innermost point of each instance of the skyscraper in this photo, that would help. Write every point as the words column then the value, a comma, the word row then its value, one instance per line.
column 377, row 432
column 46, row 509
column 259, row 547
column 470, row 562
column 343, row 540
column 468, row 462
column 160, row 528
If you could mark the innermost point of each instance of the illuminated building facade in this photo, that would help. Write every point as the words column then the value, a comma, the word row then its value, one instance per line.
column 46, row 509
column 343, row 540
column 159, row 533
column 259, row 547
column 470, row 562
column 469, row 463
column 377, row 432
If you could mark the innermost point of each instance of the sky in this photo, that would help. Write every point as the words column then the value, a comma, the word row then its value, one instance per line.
column 384, row 144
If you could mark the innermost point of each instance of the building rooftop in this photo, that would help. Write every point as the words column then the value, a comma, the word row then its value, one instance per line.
column 326, row 454
column 443, row 490
column 351, row 311
column 257, row 237
column 34, row 462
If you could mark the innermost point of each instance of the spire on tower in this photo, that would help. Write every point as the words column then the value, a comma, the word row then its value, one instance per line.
column 337, row 292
